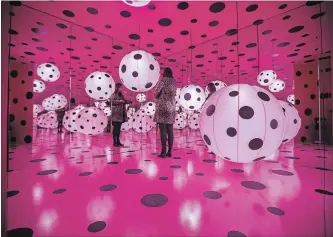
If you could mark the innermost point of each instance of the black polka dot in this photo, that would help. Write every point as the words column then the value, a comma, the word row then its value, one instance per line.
column 20, row 232
column 312, row 96
column 207, row 140
column 283, row 44
column 29, row 95
column 125, row 14
column 217, row 7
column 276, row 211
column 246, row 112
column 255, row 144
column 231, row 132
column 233, row 93
column 28, row 139
column 68, row 13
column 263, row 96
column 169, row 40
column 137, row 56
column 135, row 74
column 154, row 200
column 151, row 67
column 296, row 29
column 252, row 8
column 274, row 124
column 92, row 10
column 182, row 5
column 187, row 96
column 322, row 191
column 13, row 73
column 96, row 226
column 165, row 22
column 308, row 112
column 134, row 36
column 303, row 139
column 61, row 26
column 298, row 73
column 194, row 21
column 213, row 23
column 117, row 47
column 212, row 195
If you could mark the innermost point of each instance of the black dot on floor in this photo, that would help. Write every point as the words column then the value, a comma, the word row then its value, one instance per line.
column 37, row 160
column 235, row 233
column 282, row 172
column 154, row 200
column 12, row 193
column 59, row 191
column 182, row 5
column 217, row 7
column 324, row 192
column 108, row 187
column 96, row 226
column 237, row 170
column 68, row 13
column 28, row 139
column 164, row 22
column 209, row 161
column 133, row 171
column 47, row 172
column 125, row 14
column 85, row 173
column 212, row 195
column 199, row 174
column 20, row 232
column 296, row 29
column 175, row 166
column 275, row 211
column 163, row 178
column 253, row 185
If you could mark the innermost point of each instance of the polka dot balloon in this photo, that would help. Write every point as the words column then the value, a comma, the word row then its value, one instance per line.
column 100, row 85
column 242, row 123
column 91, row 121
column 136, row 3
column 193, row 121
column 192, row 97
column 39, row 86
column 55, row 102
column 218, row 85
column 266, row 77
column 141, row 97
column 48, row 72
column 150, row 108
column 142, row 122
column 48, row 120
column 180, row 122
column 291, row 99
column 70, row 119
column 139, row 71
column 292, row 121
column 277, row 86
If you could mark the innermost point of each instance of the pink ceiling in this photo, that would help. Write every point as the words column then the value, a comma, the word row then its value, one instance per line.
column 80, row 37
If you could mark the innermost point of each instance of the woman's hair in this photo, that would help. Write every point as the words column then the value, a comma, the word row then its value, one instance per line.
column 167, row 72
column 211, row 87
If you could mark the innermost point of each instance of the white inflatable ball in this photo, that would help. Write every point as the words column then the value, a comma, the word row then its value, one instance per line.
column 70, row 120
column 291, row 99
column 99, row 85
column 193, row 121
column 39, row 86
column 107, row 111
column 242, row 123
column 129, row 124
column 192, row 97
column 48, row 120
column 48, row 72
column 141, row 97
column 136, row 3
column 150, row 108
column 218, row 85
column 57, row 101
column 142, row 122
column 46, row 103
column 37, row 109
column 266, row 77
column 91, row 121
column 139, row 71
column 277, row 86
column 292, row 121
column 180, row 122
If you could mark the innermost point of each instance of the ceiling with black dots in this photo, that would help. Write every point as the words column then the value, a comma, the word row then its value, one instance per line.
column 200, row 40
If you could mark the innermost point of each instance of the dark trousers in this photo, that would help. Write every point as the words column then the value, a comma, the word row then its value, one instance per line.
column 116, row 129
column 166, row 134
column 59, row 125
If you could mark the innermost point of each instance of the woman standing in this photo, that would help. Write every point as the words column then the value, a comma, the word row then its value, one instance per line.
column 119, row 113
column 166, row 110
column 211, row 89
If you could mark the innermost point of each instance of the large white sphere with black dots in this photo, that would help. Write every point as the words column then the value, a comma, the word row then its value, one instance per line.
column 293, row 121
column 142, row 122
column 129, row 124
column 266, row 77
column 242, row 123
column 180, row 121
column 136, row 3
column 150, row 108
column 48, row 120
column 193, row 121
column 277, row 86
column 48, row 72
column 291, row 99
column 192, row 97
column 54, row 102
column 218, row 85
column 141, row 97
column 91, row 121
column 70, row 120
column 99, row 85
column 39, row 86
column 139, row 71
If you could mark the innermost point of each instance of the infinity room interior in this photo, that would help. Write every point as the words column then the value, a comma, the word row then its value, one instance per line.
column 166, row 118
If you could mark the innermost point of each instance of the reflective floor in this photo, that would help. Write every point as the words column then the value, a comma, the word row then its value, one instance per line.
column 78, row 185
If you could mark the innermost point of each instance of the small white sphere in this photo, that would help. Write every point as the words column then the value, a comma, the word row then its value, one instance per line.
column 180, row 122
column 193, row 121
column 291, row 99
column 141, row 97
column 139, row 71
column 142, row 122
column 277, row 86
column 39, row 86
column 100, row 85
column 266, row 77
column 136, row 3
column 150, row 108
column 91, row 121
column 192, row 97
column 242, row 123
column 48, row 72
column 293, row 121
column 218, row 85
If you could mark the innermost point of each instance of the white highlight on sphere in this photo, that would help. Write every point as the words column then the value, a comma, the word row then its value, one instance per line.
column 193, row 121
column 242, row 123
column 150, row 108
column 54, row 102
column 142, row 122
column 192, row 97
column 48, row 72
column 79, row 107
column 180, row 122
column 291, row 99
column 129, row 124
column 266, row 77
column 99, row 85
column 70, row 120
column 48, row 120
column 39, row 86
column 141, row 97
column 91, row 121
column 218, row 85
column 136, row 3
column 139, row 71
column 37, row 108
column 293, row 121
column 277, row 86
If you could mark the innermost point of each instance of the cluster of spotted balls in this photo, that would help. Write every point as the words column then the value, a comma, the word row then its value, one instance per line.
column 269, row 78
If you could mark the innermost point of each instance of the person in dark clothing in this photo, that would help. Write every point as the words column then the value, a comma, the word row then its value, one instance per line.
column 165, row 114
column 211, row 89
column 60, row 116
column 119, row 113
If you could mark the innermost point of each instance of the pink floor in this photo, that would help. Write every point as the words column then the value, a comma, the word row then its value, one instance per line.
column 82, row 186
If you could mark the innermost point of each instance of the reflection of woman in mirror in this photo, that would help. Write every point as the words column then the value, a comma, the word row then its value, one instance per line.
column 166, row 109
column 119, row 113
column 211, row 89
